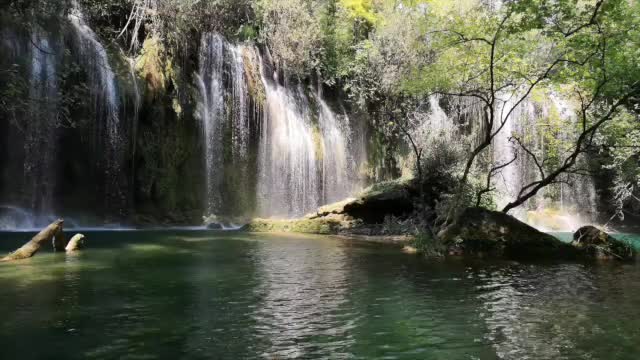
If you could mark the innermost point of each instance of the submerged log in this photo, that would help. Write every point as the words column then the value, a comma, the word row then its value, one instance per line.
column 76, row 243
column 30, row 248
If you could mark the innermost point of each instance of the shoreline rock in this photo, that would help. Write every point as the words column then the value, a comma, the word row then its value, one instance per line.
column 597, row 244
column 361, row 216
column 374, row 203
column 481, row 232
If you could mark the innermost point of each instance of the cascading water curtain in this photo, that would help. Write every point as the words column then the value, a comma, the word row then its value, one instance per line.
column 211, row 114
column 306, row 155
column 544, row 129
column 102, row 79
column 40, row 129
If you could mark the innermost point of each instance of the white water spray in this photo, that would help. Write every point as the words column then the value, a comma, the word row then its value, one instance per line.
column 102, row 79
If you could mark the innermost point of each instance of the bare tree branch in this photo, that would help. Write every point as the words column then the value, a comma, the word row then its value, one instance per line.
column 586, row 136
column 488, row 188
column 531, row 154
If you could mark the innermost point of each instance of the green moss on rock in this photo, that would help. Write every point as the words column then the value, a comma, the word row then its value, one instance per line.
column 252, row 73
column 325, row 226
column 363, row 214
column 482, row 232
column 597, row 244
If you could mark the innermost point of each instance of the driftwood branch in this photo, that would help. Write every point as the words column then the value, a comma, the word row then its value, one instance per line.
column 31, row 248
column 76, row 243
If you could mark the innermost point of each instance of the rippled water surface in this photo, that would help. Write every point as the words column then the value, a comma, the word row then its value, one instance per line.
column 189, row 294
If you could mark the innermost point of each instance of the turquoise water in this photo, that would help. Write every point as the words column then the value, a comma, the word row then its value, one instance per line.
column 199, row 295
column 632, row 239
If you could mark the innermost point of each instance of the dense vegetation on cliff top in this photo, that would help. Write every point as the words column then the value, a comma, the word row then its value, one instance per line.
column 388, row 57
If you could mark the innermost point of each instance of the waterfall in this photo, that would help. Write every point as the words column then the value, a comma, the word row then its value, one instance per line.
column 102, row 80
column 545, row 128
column 37, row 130
column 289, row 178
column 211, row 114
column 340, row 155
column 224, row 111
column 240, row 106
column 40, row 129
column 137, row 103
column 306, row 153
column 520, row 123
column 434, row 124
column 334, row 155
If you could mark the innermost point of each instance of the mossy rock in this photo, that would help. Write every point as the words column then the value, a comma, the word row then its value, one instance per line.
column 482, row 232
column 353, row 215
column 597, row 244
column 151, row 65
column 305, row 226
column 252, row 73
column 373, row 204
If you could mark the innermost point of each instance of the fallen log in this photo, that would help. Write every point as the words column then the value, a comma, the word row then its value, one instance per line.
column 76, row 243
column 30, row 248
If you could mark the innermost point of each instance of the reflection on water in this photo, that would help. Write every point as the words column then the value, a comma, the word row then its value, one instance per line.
column 303, row 295
column 564, row 311
column 180, row 294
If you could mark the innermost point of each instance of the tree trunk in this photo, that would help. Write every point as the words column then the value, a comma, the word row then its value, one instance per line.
column 30, row 248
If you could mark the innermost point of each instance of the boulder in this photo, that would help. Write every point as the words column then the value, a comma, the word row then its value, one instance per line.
column 330, row 224
column 482, row 232
column 373, row 204
column 76, row 243
column 596, row 244
column 361, row 215
column 214, row 226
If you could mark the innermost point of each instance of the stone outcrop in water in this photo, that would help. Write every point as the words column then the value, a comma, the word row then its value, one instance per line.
column 76, row 243
column 362, row 215
column 597, row 244
column 326, row 225
column 31, row 248
column 374, row 203
column 482, row 232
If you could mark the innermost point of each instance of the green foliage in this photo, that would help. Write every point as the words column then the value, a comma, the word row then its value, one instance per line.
column 620, row 153
column 428, row 245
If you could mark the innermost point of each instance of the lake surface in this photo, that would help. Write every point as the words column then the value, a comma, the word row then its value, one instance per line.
column 205, row 295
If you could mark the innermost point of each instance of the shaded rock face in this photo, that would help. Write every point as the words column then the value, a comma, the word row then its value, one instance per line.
column 362, row 215
column 481, row 232
column 374, row 203
column 597, row 244
column 330, row 224
column 214, row 226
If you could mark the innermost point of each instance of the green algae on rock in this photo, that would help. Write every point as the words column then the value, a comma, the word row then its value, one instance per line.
column 482, row 232
column 597, row 244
